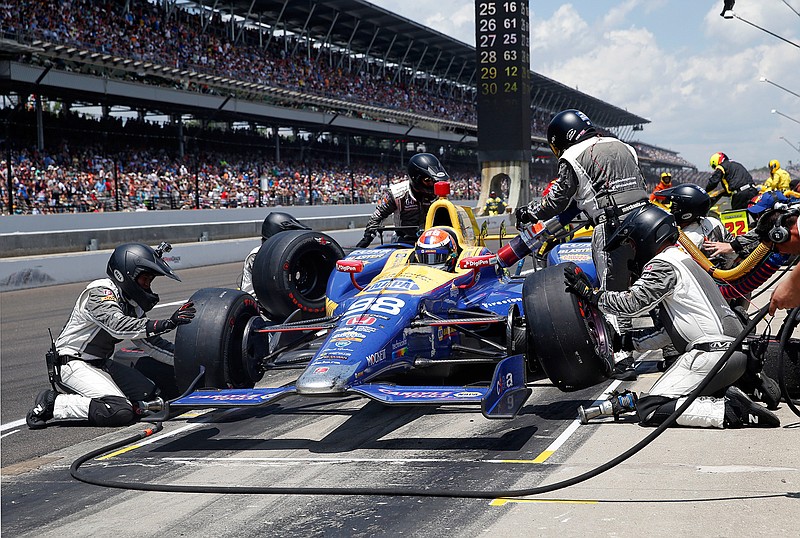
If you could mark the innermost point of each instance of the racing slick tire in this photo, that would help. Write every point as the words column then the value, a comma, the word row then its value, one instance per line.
column 291, row 272
column 214, row 339
column 570, row 338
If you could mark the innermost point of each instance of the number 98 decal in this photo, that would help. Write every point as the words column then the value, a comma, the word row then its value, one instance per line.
column 384, row 305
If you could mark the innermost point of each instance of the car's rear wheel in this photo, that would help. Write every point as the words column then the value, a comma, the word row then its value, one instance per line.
column 291, row 272
column 569, row 337
column 214, row 339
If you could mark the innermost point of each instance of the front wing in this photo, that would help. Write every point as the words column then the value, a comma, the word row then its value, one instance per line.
column 502, row 399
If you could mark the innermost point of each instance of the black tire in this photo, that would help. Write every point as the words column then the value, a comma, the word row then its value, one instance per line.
column 570, row 339
column 791, row 364
column 214, row 339
column 291, row 272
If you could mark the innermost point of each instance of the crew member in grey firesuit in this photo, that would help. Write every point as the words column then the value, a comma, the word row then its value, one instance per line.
column 92, row 386
column 694, row 317
column 602, row 175
column 735, row 179
column 275, row 222
column 409, row 200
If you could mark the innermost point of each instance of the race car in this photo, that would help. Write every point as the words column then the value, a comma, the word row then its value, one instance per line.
column 368, row 322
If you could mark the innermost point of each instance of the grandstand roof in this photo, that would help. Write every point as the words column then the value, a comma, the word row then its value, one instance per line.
column 365, row 27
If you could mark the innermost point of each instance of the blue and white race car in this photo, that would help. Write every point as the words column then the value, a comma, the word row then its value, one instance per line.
column 375, row 322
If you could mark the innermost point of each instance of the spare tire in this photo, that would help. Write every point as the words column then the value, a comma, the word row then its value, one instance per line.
column 569, row 337
column 291, row 272
column 214, row 339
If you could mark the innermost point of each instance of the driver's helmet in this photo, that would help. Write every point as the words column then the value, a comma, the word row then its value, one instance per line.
column 424, row 170
column 774, row 165
column 666, row 178
column 437, row 247
column 128, row 262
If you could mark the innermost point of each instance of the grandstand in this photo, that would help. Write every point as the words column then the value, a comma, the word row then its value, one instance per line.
column 265, row 102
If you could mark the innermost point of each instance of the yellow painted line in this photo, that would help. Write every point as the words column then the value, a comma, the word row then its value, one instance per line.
column 503, row 501
column 118, row 452
column 543, row 456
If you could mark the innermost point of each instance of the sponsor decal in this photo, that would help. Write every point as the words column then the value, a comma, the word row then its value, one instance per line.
column 171, row 259
column 467, row 394
column 118, row 276
column 321, row 370
column 376, row 357
column 503, row 301
column 231, row 397
column 322, row 241
column 347, row 334
column 395, row 284
column 445, row 332
column 346, row 343
column 361, row 320
column 334, row 356
column 366, row 255
column 399, row 353
column 399, row 343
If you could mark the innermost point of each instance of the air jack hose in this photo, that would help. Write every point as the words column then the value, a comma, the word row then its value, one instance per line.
column 410, row 491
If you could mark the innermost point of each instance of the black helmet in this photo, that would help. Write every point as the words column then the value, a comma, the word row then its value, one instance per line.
column 567, row 128
column 130, row 260
column 648, row 229
column 689, row 202
column 424, row 170
column 278, row 222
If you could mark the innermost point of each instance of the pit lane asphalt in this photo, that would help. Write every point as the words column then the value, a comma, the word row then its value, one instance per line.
column 325, row 442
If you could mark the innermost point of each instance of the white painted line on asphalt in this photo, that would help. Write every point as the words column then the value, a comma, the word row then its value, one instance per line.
column 9, row 433
column 15, row 424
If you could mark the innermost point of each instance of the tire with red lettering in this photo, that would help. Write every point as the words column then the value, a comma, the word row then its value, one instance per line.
column 214, row 339
column 291, row 272
column 569, row 337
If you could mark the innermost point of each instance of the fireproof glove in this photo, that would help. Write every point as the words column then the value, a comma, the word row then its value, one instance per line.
column 366, row 240
column 524, row 215
column 182, row 316
column 575, row 284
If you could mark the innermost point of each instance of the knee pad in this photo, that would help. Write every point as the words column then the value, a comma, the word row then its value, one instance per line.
column 653, row 410
column 111, row 411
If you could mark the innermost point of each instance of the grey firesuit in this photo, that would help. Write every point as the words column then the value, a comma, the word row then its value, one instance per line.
column 101, row 318
column 602, row 175
column 408, row 210
column 695, row 318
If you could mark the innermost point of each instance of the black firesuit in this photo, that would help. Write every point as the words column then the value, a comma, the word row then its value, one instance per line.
column 409, row 210
column 101, row 390
column 737, row 182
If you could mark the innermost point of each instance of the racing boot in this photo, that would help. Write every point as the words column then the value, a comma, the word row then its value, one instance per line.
column 624, row 367
column 42, row 410
column 767, row 391
column 151, row 406
column 616, row 404
column 742, row 411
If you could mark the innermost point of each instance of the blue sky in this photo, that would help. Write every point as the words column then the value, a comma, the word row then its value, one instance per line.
column 694, row 74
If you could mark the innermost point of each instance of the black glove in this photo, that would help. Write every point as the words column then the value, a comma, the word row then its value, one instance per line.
column 524, row 215
column 578, row 286
column 182, row 316
column 366, row 240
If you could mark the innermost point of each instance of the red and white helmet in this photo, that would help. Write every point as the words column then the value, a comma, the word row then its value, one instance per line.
column 437, row 247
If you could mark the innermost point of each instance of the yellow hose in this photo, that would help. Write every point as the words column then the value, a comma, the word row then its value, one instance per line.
column 741, row 270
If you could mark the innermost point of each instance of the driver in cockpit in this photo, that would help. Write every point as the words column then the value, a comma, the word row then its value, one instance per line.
column 437, row 248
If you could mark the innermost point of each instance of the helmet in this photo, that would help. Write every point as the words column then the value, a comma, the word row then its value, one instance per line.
column 717, row 159
column 424, row 170
column 689, row 202
column 278, row 222
column 774, row 165
column 567, row 128
column 666, row 178
column 647, row 230
column 130, row 260
column 493, row 194
column 437, row 247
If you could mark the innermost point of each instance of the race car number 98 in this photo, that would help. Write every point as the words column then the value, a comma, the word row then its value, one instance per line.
column 384, row 305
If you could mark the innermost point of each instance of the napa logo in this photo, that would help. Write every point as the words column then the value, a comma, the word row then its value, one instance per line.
column 394, row 284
